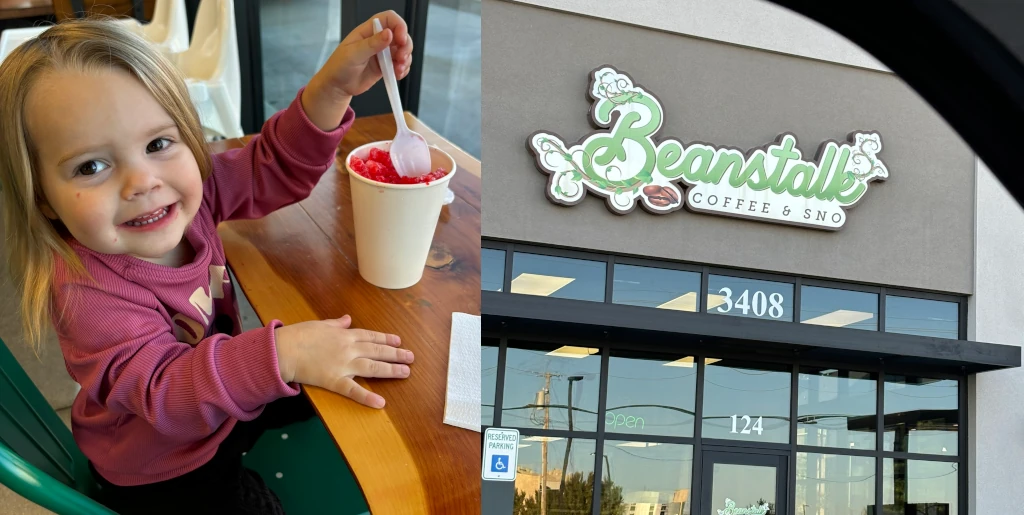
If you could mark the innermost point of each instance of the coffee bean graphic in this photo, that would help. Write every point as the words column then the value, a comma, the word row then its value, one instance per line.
column 660, row 196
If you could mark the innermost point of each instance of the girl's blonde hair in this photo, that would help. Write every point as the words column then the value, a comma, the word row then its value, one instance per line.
column 34, row 243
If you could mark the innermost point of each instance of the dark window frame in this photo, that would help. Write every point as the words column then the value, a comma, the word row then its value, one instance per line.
column 961, row 304
column 607, row 261
column 879, row 293
column 672, row 267
column 700, row 351
column 611, row 259
column 697, row 441
column 503, row 273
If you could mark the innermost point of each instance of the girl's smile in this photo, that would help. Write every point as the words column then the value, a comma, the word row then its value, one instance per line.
column 152, row 220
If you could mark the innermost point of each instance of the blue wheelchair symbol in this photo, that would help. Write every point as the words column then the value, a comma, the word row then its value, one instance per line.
column 499, row 463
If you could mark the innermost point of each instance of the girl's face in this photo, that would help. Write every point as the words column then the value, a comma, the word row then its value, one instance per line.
column 111, row 163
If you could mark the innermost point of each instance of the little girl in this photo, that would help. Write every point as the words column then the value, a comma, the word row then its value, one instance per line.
column 111, row 204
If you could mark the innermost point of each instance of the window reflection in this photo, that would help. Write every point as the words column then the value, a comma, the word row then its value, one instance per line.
column 295, row 42
column 750, row 298
column 565, row 466
column 922, row 317
column 655, row 287
column 655, row 395
column 646, row 477
column 834, row 485
column 914, row 486
column 746, row 402
column 488, row 379
column 838, row 308
column 492, row 269
column 836, row 408
column 749, row 488
column 543, row 385
column 921, row 415
column 558, row 277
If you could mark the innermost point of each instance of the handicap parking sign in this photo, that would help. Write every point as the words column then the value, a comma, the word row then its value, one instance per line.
column 499, row 463
column 500, row 453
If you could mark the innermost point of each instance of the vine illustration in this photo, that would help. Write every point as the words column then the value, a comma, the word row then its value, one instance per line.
column 611, row 91
column 866, row 148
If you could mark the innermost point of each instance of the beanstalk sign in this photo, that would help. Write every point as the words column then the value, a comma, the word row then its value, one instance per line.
column 626, row 165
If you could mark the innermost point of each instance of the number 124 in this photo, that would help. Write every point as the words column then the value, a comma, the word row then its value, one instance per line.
column 747, row 428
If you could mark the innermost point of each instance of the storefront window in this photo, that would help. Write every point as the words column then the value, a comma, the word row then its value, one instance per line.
column 751, row 298
column 295, row 41
column 834, row 484
column 838, row 308
column 646, row 477
column 915, row 486
column 450, row 92
column 921, row 415
column 555, row 387
column 651, row 396
column 558, row 277
column 492, row 269
column 746, row 402
column 565, row 466
column 488, row 378
column 922, row 317
column 655, row 287
column 744, row 488
column 836, row 408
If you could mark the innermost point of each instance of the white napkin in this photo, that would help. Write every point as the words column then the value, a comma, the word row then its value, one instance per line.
column 462, row 400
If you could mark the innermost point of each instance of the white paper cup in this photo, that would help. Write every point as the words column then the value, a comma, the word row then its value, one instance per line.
column 395, row 223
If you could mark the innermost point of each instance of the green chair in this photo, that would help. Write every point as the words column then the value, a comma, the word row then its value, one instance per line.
column 41, row 462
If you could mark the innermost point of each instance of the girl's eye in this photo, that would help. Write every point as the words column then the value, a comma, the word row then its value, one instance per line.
column 158, row 145
column 90, row 168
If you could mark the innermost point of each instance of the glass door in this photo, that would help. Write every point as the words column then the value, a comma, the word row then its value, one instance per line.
column 741, row 483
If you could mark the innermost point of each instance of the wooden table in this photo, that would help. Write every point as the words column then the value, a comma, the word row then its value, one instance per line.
column 299, row 264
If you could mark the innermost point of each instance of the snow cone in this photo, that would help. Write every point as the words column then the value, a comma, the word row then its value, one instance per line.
column 395, row 217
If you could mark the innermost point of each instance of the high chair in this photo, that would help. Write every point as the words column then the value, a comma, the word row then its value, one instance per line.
column 40, row 461
column 212, row 71
column 168, row 29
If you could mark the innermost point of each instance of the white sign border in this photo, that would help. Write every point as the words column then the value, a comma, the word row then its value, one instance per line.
column 513, row 463
column 683, row 189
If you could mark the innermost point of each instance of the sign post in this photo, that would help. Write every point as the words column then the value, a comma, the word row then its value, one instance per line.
column 501, row 452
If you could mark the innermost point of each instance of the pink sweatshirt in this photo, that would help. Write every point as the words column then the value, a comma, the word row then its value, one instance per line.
column 165, row 370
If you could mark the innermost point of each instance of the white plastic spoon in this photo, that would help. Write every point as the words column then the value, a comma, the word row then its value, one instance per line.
column 409, row 152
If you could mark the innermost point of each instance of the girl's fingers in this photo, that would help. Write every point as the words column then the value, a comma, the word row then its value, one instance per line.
column 403, row 66
column 388, row 20
column 351, row 389
column 362, row 335
column 383, row 353
column 364, row 367
column 343, row 322
column 399, row 49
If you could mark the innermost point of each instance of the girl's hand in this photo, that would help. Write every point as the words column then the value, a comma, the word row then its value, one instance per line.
column 353, row 68
column 326, row 353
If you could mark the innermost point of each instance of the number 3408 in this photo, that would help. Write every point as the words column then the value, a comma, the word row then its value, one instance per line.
column 759, row 303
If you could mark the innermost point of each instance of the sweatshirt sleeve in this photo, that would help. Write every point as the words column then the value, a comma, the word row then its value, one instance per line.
column 127, row 360
column 280, row 166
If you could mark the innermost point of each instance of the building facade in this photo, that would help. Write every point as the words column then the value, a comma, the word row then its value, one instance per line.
column 732, row 265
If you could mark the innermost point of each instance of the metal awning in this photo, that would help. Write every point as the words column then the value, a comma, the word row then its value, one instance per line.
column 571, row 319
